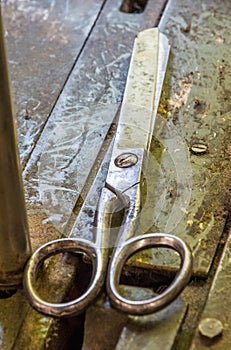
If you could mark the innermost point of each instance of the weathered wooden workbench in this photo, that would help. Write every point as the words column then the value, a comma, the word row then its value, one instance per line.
column 68, row 63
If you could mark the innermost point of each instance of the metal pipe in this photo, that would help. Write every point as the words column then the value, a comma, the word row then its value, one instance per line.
column 15, row 245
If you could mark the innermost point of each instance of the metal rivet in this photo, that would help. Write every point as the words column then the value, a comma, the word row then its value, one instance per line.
column 210, row 327
column 199, row 148
column 126, row 160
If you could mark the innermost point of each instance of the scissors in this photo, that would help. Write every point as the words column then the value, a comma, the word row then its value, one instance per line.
column 122, row 193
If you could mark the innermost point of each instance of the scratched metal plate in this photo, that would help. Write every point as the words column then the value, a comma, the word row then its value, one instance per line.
column 157, row 331
column 44, row 39
column 197, row 103
column 74, row 133
column 218, row 306
column 114, row 33
column 113, row 330
column 196, row 106
column 188, row 196
column 195, row 30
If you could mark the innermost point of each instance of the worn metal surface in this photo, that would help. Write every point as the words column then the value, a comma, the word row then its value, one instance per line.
column 134, row 133
column 105, row 318
column 194, row 110
column 190, row 114
column 217, row 308
column 197, row 104
column 44, row 39
column 68, row 146
column 36, row 93
column 12, row 313
column 14, row 236
column 112, row 330
column 157, row 331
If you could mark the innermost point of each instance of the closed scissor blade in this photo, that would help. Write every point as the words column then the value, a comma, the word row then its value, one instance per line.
column 143, row 90
column 127, row 170
column 122, row 190
column 136, row 123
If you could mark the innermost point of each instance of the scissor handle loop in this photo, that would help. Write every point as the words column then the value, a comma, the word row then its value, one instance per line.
column 132, row 246
column 49, row 249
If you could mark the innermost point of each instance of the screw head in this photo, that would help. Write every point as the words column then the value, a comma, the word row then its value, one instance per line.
column 210, row 327
column 199, row 148
column 126, row 160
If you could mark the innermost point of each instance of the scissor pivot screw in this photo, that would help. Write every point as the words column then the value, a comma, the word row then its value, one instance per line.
column 126, row 160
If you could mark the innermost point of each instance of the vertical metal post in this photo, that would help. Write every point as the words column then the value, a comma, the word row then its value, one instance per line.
column 14, row 236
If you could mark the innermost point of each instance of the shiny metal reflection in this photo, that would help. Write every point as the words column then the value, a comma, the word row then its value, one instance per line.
column 14, row 238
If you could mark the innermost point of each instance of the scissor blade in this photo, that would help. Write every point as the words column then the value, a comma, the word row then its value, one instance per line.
column 143, row 90
column 163, row 55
